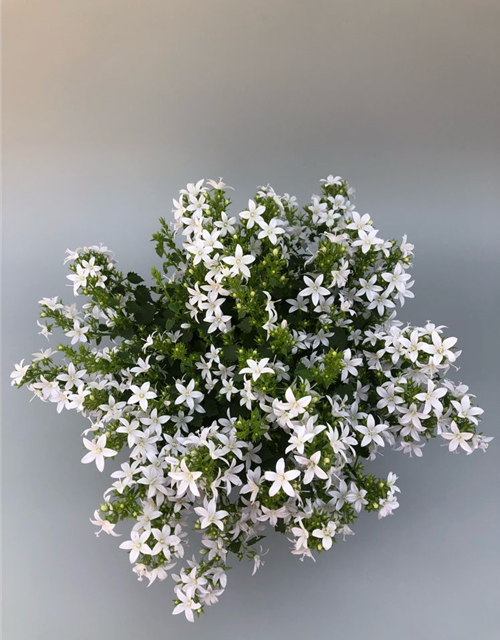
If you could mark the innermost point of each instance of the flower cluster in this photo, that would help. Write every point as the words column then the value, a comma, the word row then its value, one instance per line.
column 249, row 382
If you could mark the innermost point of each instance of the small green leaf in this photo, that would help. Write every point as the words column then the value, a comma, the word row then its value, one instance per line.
column 245, row 325
column 230, row 352
column 134, row 278
column 145, row 314
column 174, row 306
column 142, row 294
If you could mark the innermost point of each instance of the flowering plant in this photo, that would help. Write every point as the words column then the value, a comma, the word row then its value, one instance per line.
column 250, row 381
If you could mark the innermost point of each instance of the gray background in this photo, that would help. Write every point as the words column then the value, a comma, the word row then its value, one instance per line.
column 109, row 108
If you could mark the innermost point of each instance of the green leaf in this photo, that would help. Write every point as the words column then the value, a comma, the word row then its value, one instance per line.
column 145, row 314
column 211, row 406
column 142, row 294
column 134, row 278
column 174, row 306
column 230, row 352
column 159, row 249
column 245, row 325
column 132, row 307
column 235, row 546
column 126, row 332
column 303, row 372
column 339, row 340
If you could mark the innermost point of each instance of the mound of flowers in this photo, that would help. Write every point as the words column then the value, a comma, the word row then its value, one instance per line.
column 249, row 382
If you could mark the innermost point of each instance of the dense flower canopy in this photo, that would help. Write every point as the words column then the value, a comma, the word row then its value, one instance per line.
column 250, row 382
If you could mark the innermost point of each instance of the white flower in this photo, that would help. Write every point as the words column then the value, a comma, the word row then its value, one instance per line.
column 197, row 205
column 326, row 534
column 272, row 515
column 340, row 275
column 19, row 372
column 165, row 540
column 387, row 506
column 270, row 231
column 381, row 302
column 371, row 432
column 356, row 497
column 349, row 365
column 209, row 515
column 257, row 560
column 141, row 395
column 228, row 389
column 154, row 419
column 79, row 279
column 312, row 467
column 398, row 279
column 73, row 378
column 137, row 545
column 466, row 411
column 457, row 438
column 50, row 303
column 360, row 223
column 230, row 476
column 42, row 355
column 281, row 479
column 298, row 304
column 90, row 268
column 331, row 181
column 44, row 330
column 193, row 189
column 294, row 406
column 153, row 478
column 239, row 262
column 299, row 439
column 78, row 333
column 256, row 369
column 105, row 525
column 253, row 483
column 253, row 214
column 78, row 398
column 186, row 479
column 369, row 288
column 200, row 250
column 226, row 224
column 188, row 395
column 431, row 398
column 339, row 497
column 412, row 345
column 412, row 416
column 97, row 451
column 440, row 348
column 301, row 537
column 318, row 210
column 187, row 605
column 388, row 397
column 314, row 289
column 218, row 321
column 142, row 366
column 367, row 240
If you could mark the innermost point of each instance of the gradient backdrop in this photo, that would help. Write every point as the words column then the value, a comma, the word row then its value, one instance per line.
column 109, row 108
